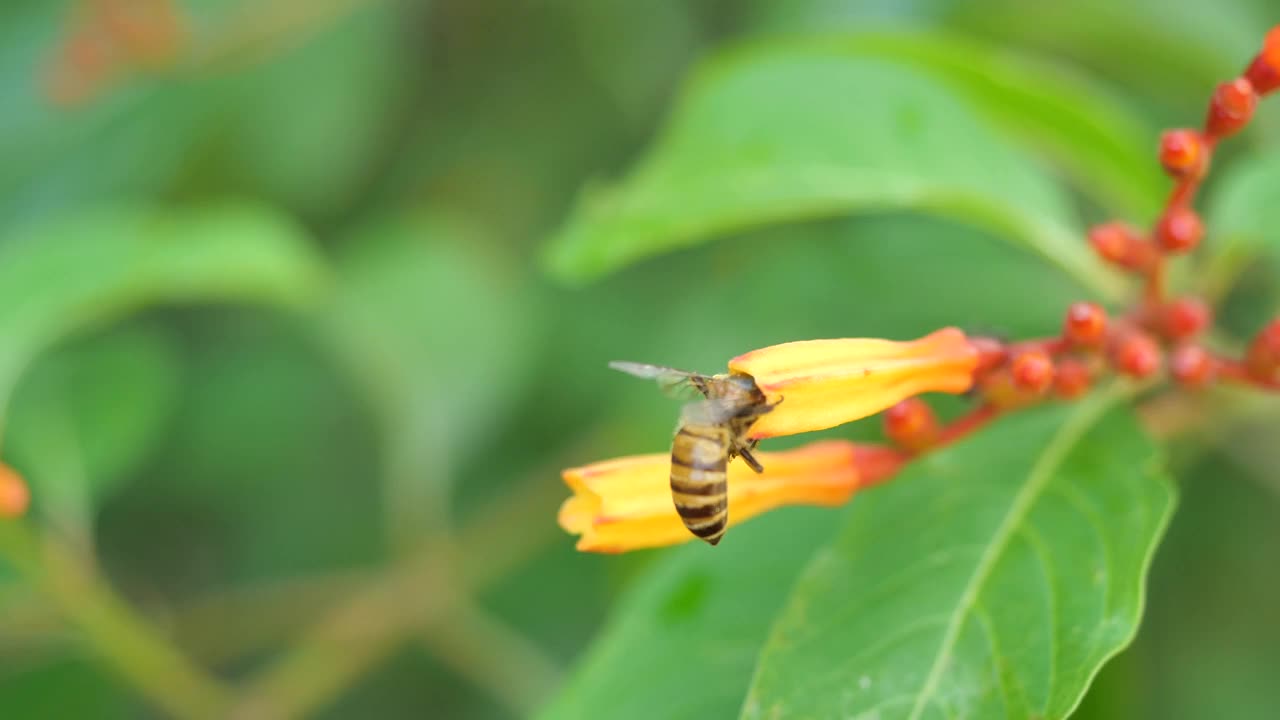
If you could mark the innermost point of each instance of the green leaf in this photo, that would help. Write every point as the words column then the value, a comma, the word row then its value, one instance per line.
column 432, row 329
column 1091, row 135
column 682, row 644
column 87, row 415
column 1243, row 214
column 62, row 277
column 991, row 580
column 1174, row 50
column 310, row 143
column 797, row 132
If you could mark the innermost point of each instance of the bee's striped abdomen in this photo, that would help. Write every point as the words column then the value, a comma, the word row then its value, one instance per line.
column 699, row 487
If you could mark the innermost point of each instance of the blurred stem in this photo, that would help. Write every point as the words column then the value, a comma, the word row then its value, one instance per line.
column 126, row 641
column 348, row 640
column 416, row 496
column 417, row 593
column 494, row 656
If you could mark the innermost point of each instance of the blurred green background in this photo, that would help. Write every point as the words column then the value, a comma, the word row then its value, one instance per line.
column 284, row 367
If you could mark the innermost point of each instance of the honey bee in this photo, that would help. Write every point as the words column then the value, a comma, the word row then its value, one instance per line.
column 712, row 432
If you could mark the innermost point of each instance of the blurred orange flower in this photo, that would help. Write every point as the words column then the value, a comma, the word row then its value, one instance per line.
column 625, row 504
column 823, row 383
column 14, row 495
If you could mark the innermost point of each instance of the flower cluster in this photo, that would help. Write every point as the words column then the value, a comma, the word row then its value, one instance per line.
column 107, row 40
column 626, row 504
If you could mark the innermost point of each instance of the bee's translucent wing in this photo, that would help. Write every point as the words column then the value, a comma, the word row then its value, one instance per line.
column 676, row 383
column 707, row 412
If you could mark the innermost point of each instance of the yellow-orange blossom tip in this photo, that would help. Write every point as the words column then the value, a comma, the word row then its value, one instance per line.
column 15, row 497
column 625, row 504
column 818, row 384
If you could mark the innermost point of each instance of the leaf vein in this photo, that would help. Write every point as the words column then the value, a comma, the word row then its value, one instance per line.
column 1041, row 473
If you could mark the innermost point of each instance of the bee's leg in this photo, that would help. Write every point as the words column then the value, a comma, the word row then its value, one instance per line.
column 749, row 459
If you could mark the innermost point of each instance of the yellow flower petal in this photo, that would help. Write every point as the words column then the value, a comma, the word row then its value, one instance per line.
column 823, row 383
column 625, row 504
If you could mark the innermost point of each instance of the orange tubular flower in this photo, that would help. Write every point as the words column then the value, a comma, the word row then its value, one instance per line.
column 823, row 383
column 625, row 504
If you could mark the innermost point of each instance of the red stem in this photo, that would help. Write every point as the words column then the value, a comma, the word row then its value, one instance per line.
column 1235, row 371
column 966, row 424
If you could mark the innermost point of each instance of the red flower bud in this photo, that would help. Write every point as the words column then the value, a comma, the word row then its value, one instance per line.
column 1192, row 366
column 911, row 424
column 1179, row 230
column 1072, row 379
column 991, row 354
column 1184, row 318
column 1183, row 153
column 1264, row 73
column 1263, row 357
column 1136, row 355
column 1121, row 245
column 1085, row 324
column 1231, row 108
column 1032, row 371
column 999, row 391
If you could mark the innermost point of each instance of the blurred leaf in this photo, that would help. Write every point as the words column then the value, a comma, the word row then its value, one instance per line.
column 1090, row 134
column 309, row 143
column 267, row 469
column 1172, row 49
column 634, row 49
column 433, row 329
column 98, row 266
column 990, row 580
column 237, row 112
column 1210, row 642
column 682, row 643
column 86, row 416
column 1243, row 217
column 801, row 131
column 64, row 688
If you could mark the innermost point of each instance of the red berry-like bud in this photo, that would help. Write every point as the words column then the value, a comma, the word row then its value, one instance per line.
column 1136, row 355
column 1072, row 379
column 1121, row 245
column 1231, row 108
column 1183, row 153
column 1192, row 366
column 911, row 424
column 998, row 390
column 1263, row 357
column 1032, row 371
column 1179, row 230
column 991, row 353
column 1264, row 73
column 14, row 495
column 1085, row 325
column 1185, row 318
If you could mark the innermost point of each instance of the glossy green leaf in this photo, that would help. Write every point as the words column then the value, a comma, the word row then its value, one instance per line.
column 682, row 644
column 59, row 278
column 1104, row 147
column 991, row 580
column 797, row 132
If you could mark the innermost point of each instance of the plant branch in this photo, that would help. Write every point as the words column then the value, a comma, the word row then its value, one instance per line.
column 413, row 594
column 125, row 640
column 494, row 656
